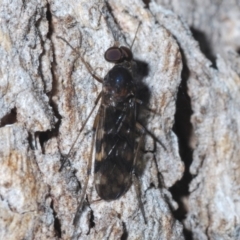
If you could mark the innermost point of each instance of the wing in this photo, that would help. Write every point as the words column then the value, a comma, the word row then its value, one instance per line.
column 115, row 144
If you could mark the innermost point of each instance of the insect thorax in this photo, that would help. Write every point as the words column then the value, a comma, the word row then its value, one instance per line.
column 118, row 85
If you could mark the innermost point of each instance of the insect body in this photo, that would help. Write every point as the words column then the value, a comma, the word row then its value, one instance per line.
column 115, row 134
column 115, row 128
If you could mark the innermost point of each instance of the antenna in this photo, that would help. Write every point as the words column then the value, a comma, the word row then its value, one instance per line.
column 135, row 35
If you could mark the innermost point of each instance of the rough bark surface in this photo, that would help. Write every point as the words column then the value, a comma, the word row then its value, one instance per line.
column 46, row 94
column 213, row 87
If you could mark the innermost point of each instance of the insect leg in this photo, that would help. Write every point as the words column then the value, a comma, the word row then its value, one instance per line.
column 85, row 63
column 81, row 129
column 140, row 102
column 142, row 130
column 134, row 174
column 152, row 135
column 89, row 167
column 138, row 191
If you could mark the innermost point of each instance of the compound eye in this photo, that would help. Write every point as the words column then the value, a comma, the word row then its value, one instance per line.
column 127, row 53
column 113, row 54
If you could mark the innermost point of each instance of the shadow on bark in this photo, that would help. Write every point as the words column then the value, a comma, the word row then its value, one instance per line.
column 183, row 129
column 204, row 45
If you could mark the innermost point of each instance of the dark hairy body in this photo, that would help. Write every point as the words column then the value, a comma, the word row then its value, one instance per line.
column 115, row 135
column 115, row 129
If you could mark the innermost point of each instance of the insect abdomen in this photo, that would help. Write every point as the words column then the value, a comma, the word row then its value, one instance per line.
column 115, row 150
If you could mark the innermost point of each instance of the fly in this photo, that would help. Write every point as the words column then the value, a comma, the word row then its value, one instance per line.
column 115, row 128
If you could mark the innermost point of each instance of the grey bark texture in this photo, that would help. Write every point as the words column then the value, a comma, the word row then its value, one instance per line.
column 46, row 94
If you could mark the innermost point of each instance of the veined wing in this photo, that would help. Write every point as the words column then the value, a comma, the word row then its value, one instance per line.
column 115, row 144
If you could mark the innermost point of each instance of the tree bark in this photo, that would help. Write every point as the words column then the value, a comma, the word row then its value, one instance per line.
column 47, row 94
